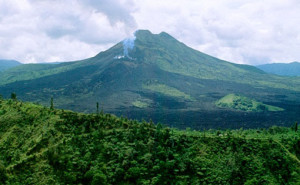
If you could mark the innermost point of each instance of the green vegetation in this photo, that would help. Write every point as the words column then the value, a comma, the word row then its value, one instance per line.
column 43, row 146
column 175, row 57
column 35, row 71
column 167, row 90
column 245, row 104
column 140, row 104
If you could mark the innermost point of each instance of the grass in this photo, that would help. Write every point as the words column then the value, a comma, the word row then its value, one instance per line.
column 168, row 91
column 140, row 104
column 244, row 104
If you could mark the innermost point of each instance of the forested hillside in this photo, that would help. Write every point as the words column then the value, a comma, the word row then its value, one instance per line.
column 40, row 145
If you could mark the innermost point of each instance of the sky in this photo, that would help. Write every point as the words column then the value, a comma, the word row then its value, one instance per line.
column 239, row 31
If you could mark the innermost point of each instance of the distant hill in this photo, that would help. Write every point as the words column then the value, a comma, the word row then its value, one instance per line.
column 289, row 69
column 40, row 145
column 6, row 64
column 157, row 77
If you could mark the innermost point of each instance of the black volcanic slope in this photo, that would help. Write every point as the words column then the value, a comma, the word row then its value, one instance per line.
column 163, row 80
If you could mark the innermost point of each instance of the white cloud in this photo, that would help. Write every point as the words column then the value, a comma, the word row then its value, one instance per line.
column 245, row 31
column 34, row 31
column 238, row 31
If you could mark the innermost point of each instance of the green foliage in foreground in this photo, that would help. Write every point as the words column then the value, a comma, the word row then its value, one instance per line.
column 244, row 104
column 43, row 146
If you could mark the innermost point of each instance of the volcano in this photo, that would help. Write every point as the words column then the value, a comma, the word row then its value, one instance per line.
column 161, row 79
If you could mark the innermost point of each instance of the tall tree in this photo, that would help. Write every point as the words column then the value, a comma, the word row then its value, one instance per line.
column 51, row 104
column 13, row 96
column 97, row 105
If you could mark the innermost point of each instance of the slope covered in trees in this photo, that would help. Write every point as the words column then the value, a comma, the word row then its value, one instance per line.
column 41, row 145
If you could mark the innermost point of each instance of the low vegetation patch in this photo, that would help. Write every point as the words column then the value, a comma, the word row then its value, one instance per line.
column 140, row 104
column 167, row 90
column 244, row 104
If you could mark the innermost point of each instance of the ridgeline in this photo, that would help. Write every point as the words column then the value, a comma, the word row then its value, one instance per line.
column 41, row 145
column 160, row 78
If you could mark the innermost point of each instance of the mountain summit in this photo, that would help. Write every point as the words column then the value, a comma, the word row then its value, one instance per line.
column 154, row 76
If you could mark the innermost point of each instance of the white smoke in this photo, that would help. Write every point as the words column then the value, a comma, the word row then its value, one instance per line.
column 128, row 44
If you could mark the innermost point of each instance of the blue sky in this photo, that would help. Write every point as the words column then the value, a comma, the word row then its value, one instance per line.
column 240, row 31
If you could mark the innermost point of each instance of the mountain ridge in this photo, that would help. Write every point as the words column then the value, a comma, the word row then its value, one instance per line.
column 161, row 79
column 211, row 70
column 7, row 64
column 284, row 69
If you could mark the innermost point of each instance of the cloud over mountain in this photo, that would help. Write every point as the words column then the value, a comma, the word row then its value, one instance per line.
column 238, row 31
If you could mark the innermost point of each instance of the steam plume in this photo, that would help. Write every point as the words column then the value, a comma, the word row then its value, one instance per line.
column 128, row 44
